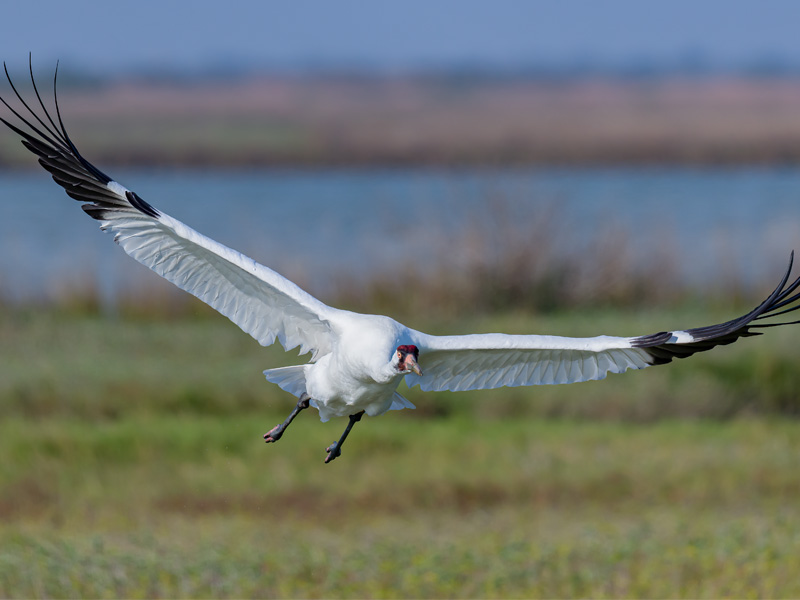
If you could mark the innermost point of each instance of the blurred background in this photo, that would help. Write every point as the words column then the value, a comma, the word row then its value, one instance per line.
column 569, row 168
column 503, row 143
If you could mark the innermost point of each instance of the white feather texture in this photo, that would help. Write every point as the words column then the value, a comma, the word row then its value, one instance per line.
column 471, row 362
column 260, row 301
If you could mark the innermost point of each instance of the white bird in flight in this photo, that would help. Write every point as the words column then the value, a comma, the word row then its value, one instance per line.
column 357, row 360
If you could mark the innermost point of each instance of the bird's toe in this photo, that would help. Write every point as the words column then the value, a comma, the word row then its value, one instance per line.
column 333, row 451
column 273, row 435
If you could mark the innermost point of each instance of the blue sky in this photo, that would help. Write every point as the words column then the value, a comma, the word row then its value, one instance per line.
column 114, row 36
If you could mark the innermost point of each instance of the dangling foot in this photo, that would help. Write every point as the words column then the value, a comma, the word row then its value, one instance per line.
column 333, row 452
column 274, row 434
column 335, row 449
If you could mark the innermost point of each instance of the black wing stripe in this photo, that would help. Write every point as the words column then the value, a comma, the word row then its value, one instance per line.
column 84, row 195
column 653, row 339
column 69, row 166
column 42, row 150
column 141, row 205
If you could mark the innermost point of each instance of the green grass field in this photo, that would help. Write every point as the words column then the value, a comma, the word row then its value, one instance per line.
column 133, row 466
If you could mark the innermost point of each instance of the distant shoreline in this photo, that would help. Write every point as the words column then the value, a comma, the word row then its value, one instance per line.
column 408, row 122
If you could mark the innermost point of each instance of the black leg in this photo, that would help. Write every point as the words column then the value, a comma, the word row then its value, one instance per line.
column 335, row 449
column 274, row 434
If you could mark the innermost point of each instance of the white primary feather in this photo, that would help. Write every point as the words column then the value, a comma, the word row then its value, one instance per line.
column 260, row 301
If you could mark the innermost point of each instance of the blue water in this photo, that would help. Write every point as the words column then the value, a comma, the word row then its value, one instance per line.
column 318, row 225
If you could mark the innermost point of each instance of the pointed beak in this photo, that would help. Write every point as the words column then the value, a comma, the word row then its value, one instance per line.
column 412, row 365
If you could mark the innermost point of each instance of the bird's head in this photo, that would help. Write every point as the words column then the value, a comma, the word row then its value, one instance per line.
column 405, row 359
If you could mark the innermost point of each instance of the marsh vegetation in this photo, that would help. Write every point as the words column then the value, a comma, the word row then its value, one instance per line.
column 134, row 466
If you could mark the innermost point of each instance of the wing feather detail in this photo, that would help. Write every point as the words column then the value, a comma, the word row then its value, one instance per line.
column 493, row 360
column 470, row 362
column 260, row 301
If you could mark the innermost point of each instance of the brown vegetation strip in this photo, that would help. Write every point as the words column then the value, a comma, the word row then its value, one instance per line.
column 317, row 504
column 27, row 497
column 311, row 504
column 419, row 121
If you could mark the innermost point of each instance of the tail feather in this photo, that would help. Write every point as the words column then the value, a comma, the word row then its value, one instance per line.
column 290, row 379
column 399, row 403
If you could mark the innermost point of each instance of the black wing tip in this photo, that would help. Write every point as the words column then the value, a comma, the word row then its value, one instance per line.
column 48, row 139
column 43, row 134
column 780, row 298
column 661, row 351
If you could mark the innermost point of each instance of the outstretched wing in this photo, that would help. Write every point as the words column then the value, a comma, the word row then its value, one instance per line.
column 470, row 362
column 260, row 301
